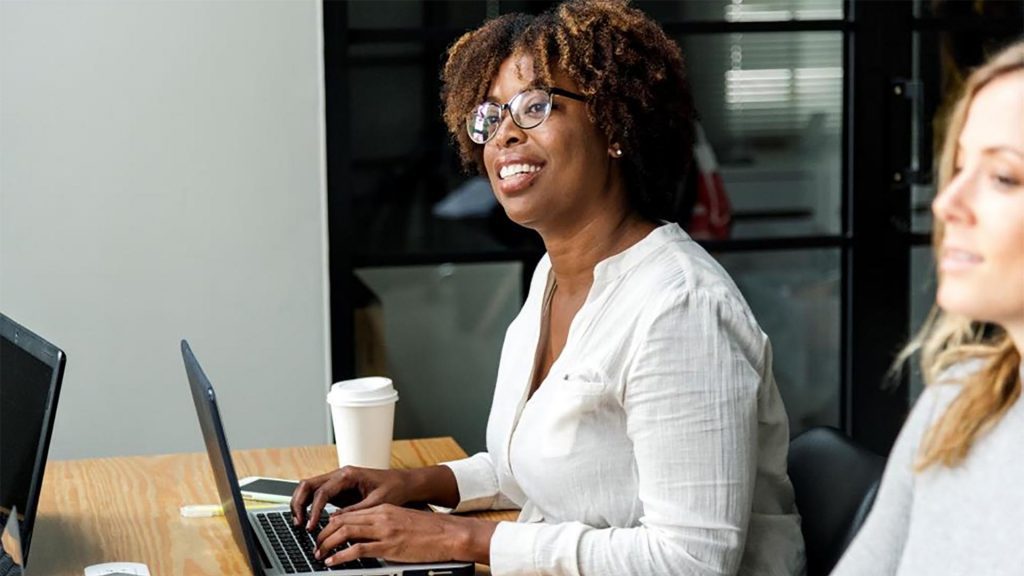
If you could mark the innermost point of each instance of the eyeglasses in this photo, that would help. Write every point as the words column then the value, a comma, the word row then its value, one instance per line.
column 528, row 109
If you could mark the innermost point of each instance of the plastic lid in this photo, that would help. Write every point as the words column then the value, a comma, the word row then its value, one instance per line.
column 370, row 391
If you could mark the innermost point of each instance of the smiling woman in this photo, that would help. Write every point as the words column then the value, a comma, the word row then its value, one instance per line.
column 565, row 152
column 952, row 498
column 635, row 422
column 631, row 77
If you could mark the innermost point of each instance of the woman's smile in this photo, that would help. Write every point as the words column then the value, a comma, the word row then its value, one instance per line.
column 516, row 172
column 954, row 259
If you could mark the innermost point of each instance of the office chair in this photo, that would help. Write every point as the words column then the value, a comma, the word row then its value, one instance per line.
column 835, row 482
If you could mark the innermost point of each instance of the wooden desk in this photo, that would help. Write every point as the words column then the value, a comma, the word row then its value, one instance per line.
column 126, row 509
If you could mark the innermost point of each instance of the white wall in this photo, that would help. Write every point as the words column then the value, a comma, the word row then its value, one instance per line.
column 161, row 177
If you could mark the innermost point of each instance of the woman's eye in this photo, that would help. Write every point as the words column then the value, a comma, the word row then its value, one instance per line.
column 1006, row 180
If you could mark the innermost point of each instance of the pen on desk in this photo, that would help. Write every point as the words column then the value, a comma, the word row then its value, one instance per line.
column 209, row 510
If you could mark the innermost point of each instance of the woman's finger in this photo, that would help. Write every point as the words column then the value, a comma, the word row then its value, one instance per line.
column 370, row 515
column 374, row 498
column 342, row 535
column 339, row 520
column 321, row 497
column 358, row 550
column 301, row 495
column 328, row 529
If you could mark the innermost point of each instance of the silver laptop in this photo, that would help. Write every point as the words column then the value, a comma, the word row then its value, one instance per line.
column 267, row 536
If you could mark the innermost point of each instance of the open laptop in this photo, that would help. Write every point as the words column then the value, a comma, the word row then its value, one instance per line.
column 267, row 536
column 31, row 370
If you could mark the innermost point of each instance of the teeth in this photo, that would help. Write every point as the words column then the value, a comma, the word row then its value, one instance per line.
column 513, row 169
column 961, row 256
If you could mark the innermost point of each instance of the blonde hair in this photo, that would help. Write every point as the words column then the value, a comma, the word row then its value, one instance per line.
column 948, row 339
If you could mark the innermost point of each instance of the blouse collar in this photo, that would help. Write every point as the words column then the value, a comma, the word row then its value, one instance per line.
column 616, row 265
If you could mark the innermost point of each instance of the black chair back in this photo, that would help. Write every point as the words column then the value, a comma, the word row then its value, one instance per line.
column 835, row 482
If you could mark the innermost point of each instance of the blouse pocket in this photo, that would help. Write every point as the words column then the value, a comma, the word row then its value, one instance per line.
column 573, row 396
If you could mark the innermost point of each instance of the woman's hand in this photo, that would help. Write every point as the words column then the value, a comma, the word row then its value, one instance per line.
column 435, row 484
column 404, row 535
column 373, row 486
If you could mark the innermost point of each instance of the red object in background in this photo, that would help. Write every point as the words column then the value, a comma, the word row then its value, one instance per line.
column 712, row 212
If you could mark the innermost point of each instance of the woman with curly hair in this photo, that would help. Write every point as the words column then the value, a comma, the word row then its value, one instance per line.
column 952, row 497
column 635, row 421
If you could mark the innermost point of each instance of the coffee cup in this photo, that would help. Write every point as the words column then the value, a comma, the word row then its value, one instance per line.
column 363, row 414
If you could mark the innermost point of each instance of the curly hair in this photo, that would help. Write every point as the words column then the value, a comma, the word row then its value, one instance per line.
column 630, row 71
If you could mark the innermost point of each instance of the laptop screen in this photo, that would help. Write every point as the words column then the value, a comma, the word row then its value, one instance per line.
column 29, row 370
column 220, row 460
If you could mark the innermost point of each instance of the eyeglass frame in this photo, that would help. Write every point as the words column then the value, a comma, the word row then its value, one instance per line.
column 551, row 91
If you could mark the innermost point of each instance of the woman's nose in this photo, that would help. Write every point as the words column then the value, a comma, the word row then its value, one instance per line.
column 952, row 205
column 509, row 133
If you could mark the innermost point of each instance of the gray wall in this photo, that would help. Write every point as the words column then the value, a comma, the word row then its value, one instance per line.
column 161, row 177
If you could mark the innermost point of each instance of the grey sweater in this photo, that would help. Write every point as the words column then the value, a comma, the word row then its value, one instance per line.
column 965, row 520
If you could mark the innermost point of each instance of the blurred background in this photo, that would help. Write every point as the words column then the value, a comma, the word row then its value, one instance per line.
column 822, row 115
column 271, row 179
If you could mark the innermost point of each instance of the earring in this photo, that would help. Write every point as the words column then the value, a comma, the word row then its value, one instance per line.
column 616, row 151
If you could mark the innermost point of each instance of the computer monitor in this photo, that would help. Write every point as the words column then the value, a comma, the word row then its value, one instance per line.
column 31, row 370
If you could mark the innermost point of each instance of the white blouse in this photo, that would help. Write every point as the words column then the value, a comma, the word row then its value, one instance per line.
column 657, row 442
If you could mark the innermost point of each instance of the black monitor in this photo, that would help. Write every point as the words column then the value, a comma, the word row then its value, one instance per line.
column 30, row 375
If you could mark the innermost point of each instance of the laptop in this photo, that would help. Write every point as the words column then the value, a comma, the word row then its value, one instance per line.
column 266, row 536
column 31, row 370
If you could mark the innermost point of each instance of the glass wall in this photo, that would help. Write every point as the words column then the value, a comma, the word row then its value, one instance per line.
column 794, row 295
column 822, row 203
column 437, row 332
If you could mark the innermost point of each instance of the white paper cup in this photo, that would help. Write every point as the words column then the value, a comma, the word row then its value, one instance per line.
column 363, row 412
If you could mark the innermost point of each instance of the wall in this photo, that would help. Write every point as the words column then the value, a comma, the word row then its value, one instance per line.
column 161, row 177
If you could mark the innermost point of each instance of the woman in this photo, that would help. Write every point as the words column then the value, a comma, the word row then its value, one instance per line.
column 952, row 497
column 635, row 419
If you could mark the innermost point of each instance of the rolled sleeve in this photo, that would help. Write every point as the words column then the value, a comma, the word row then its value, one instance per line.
column 477, row 482
column 512, row 548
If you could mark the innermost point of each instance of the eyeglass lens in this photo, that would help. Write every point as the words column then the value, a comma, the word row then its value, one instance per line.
column 528, row 109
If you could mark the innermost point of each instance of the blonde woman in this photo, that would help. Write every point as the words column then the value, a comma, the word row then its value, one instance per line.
column 952, row 497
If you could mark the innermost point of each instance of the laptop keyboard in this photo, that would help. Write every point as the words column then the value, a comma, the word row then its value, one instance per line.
column 294, row 547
